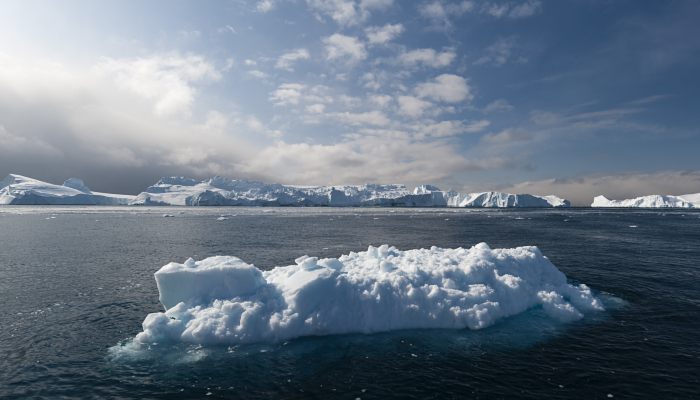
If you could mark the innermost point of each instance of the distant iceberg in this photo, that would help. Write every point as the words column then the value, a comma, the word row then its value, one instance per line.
column 651, row 201
column 223, row 300
column 20, row 190
column 218, row 191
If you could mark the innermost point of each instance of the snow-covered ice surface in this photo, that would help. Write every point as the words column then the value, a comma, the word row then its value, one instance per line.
column 180, row 191
column 651, row 201
column 218, row 191
column 21, row 190
column 223, row 300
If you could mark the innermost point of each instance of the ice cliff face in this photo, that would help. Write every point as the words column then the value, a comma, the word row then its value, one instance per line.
column 20, row 190
column 651, row 201
column 218, row 191
column 221, row 191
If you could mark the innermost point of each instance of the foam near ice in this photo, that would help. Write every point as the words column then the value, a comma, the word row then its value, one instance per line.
column 223, row 300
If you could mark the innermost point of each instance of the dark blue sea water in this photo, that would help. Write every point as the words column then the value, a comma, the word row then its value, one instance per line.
column 77, row 281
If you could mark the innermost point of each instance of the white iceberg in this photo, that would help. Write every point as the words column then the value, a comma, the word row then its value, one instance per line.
column 223, row 300
column 218, row 191
column 437, row 197
column 651, row 201
column 180, row 191
column 18, row 189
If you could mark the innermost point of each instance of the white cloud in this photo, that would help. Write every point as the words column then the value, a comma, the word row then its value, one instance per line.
column 427, row 57
column 499, row 53
column 316, row 108
column 340, row 46
column 412, row 106
column 108, row 117
column 442, row 13
column 347, row 12
column 257, row 74
column 376, row 118
column 168, row 79
column 498, row 105
column 287, row 60
column 446, row 87
column 438, row 10
column 512, row 9
column 381, row 100
column 227, row 29
column 451, row 128
column 383, row 34
column 287, row 94
column 265, row 6
column 370, row 81
column 91, row 126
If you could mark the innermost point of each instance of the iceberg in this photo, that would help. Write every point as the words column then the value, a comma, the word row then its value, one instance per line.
column 651, row 201
column 20, row 190
column 218, row 191
column 223, row 300
column 487, row 199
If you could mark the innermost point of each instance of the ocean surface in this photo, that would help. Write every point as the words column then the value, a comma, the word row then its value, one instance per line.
column 76, row 282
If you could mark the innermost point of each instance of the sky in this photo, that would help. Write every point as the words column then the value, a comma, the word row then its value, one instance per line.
column 575, row 98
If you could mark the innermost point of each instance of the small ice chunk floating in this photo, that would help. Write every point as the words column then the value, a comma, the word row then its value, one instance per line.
column 223, row 300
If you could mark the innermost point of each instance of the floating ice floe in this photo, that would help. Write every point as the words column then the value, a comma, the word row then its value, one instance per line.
column 223, row 300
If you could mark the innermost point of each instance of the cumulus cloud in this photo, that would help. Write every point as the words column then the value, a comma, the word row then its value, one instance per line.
column 339, row 46
column 316, row 108
column 265, row 6
column 91, row 127
column 287, row 94
column 169, row 80
column 98, row 120
column 581, row 190
column 427, row 57
column 439, row 11
column 412, row 106
column 383, row 34
column 448, row 88
column 347, row 12
column 287, row 60
column 512, row 9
